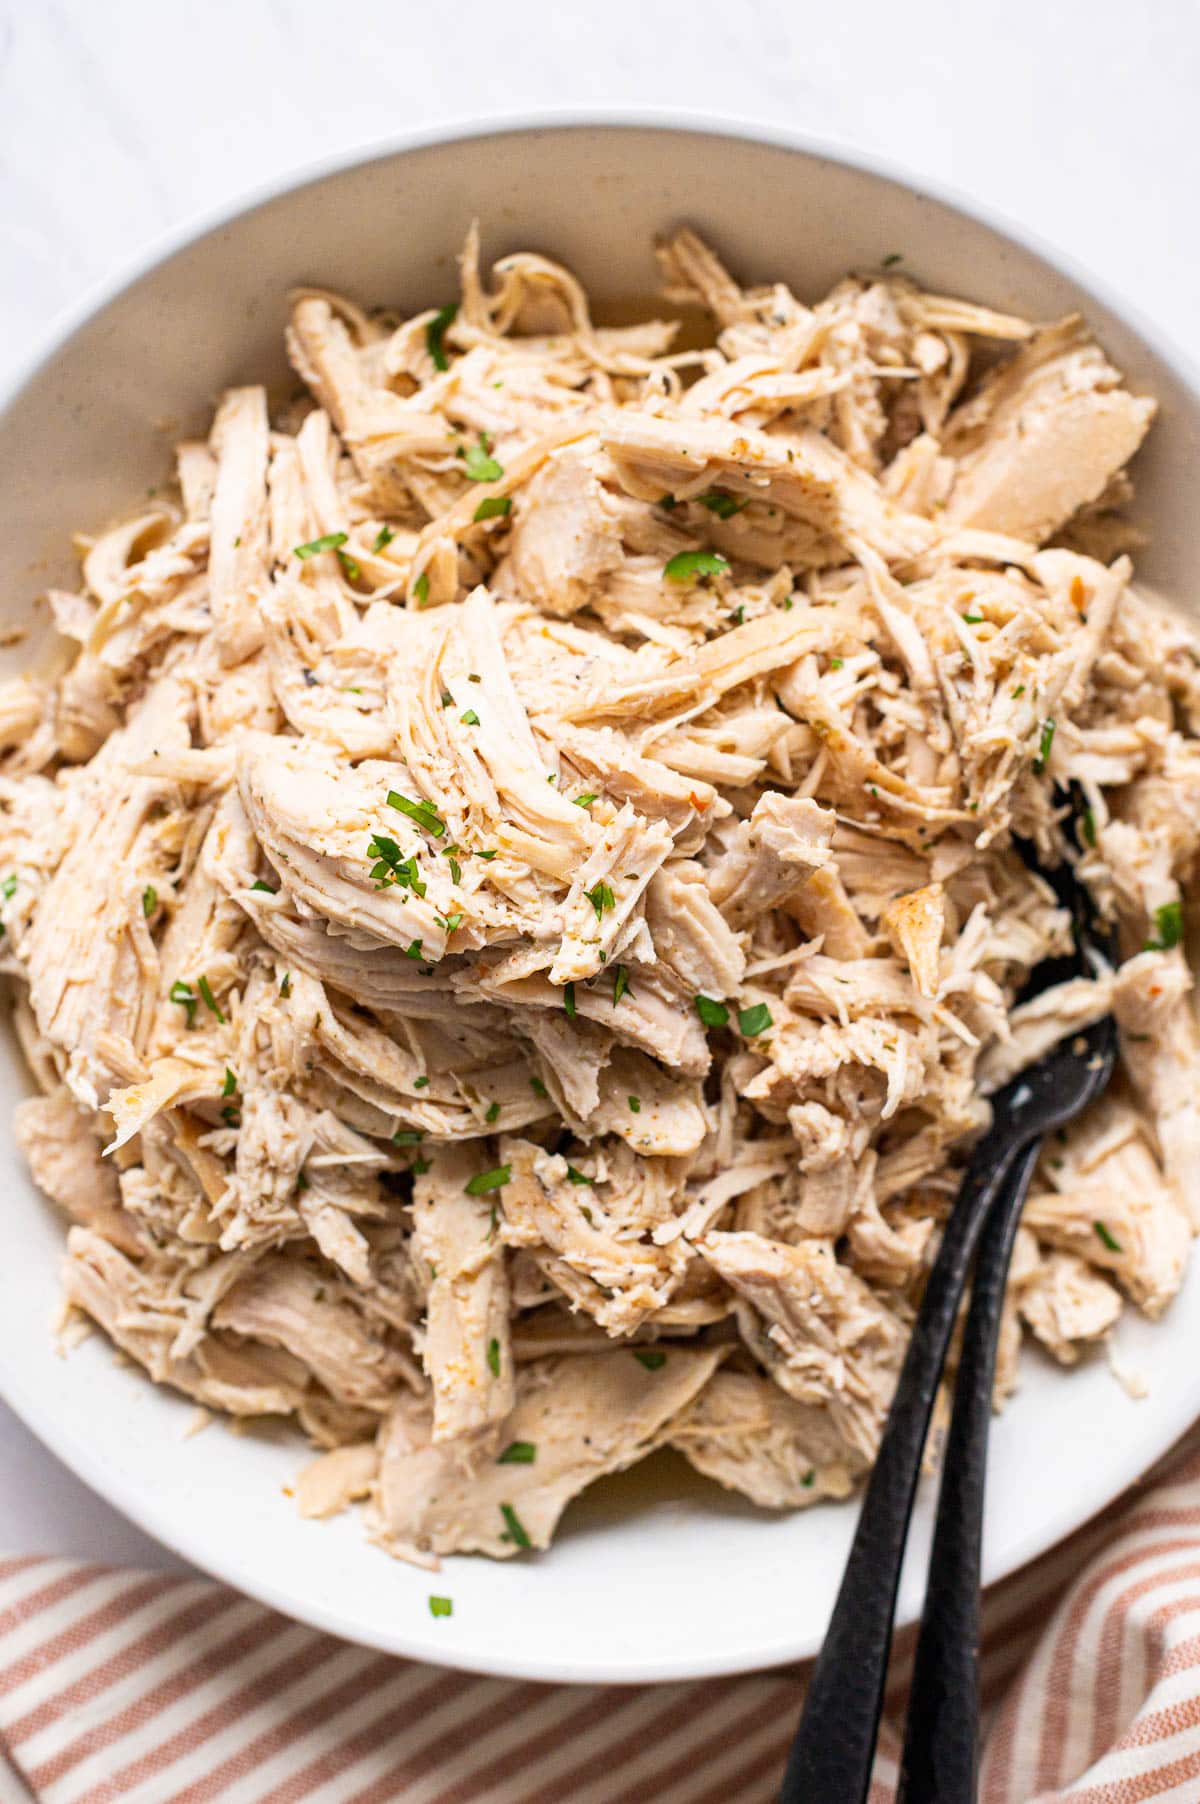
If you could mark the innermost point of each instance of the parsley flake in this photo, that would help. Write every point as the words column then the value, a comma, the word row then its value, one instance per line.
column 441, row 1606
column 470, row 718
column 754, row 1020
column 435, row 333
column 578, row 1177
column 723, row 505
column 493, row 1113
column 330, row 542
column 1168, row 922
column 1107, row 1238
column 516, row 1533
column 480, row 465
column 421, row 589
column 635, row 1104
column 1044, row 744
column 518, row 1453
column 600, row 897
column 569, row 999
column 620, row 984
column 229, row 1087
column 264, row 887
column 9, row 886
column 689, row 566
column 183, row 994
column 538, row 1087
column 285, row 988
column 493, row 1358
column 383, row 537
column 653, row 1362
column 483, row 1181
column 209, row 1000
column 492, row 507
column 710, row 1011
column 149, row 900
column 424, row 813
column 585, row 801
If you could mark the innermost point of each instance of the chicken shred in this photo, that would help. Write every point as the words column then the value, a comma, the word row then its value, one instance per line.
column 509, row 888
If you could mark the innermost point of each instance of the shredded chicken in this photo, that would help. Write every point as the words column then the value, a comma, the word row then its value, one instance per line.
column 509, row 891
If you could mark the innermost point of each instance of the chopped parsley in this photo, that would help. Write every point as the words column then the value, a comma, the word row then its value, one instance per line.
column 1087, row 826
column 285, row 988
column 481, row 466
column 809, row 1479
column 620, row 984
column 424, row 813
column 723, row 505
column 483, row 1181
column 470, row 718
column 330, row 542
column 586, row 800
column 408, row 1136
column 578, row 1177
column 230, row 1116
column 455, row 870
column 264, row 887
column 435, row 333
column 1018, row 692
column 183, row 994
column 493, row 1358
column 653, row 1362
column 493, row 507
column 229, row 1087
column 973, row 619
column 836, row 663
column 349, row 565
column 538, row 1087
column 413, row 950
column 710, row 1011
column 668, row 502
column 149, row 899
column 600, row 897
column 209, row 1000
column 754, row 1020
column 635, row 1104
column 391, row 868
column 569, row 999
column 490, row 854
column 516, row 1532
column 449, row 923
column 383, row 537
column 891, row 260
column 1107, row 1238
column 441, row 1606
column 420, row 1083
column 689, row 566
column 739, row 616
column 1044, row 744
column 1168, row 923
column 517, row 1453
column 493, row 1113
column 9, row 886
column 421, row 589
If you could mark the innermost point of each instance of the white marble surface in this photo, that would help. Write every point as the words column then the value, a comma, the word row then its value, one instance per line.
column 120, row 118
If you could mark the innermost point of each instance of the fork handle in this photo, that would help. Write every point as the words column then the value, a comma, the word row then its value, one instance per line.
column 941, row 1746
column 832, row 1754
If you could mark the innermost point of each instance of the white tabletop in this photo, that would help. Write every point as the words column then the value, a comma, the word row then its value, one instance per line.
column 121, row 118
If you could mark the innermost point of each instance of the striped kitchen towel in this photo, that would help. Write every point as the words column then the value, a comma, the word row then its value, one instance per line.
column 151, row 1688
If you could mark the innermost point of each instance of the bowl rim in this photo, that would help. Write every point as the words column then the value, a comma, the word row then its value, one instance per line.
column 202, row 223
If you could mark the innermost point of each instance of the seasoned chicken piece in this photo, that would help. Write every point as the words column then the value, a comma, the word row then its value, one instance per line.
column 467, row 1352
column 1107, row 1202
column 286, row 1303
column 774, row 853
column 1036, row 1026
column 59, row 1140
column 1154, row 1002
column 915, row 923
column 689, row 931
column 822, row 1333
column 1067, row 1304
column 566, row 535
column 1044, row 437
column 753, row 1438
column 237, row 566
column 609, row 1267
column 575, row 1419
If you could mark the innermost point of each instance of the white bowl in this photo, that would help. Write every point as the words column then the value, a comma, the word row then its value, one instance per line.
column 654, row 1576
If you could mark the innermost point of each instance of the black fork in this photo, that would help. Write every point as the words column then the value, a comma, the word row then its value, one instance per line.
column 831, row 1757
